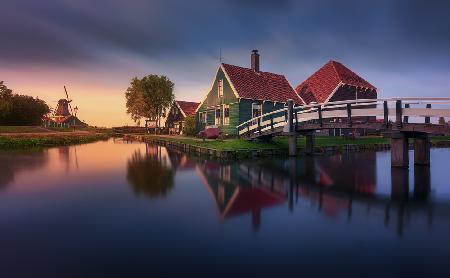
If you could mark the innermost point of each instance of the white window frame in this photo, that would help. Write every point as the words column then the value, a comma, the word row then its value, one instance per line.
column 203, row 116
column 256, row 106
column 220, row 88
column 226, row 120
column 217, row 120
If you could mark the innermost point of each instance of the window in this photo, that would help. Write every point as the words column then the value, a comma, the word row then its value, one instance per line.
column 202, row 116
column 221, row 194
column 256, row 111
column 218, row 116
column 226, row 173
column 220, row 88
column 226, row 114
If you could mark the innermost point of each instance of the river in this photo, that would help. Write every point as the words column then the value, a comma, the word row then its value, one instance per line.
column 124, row 209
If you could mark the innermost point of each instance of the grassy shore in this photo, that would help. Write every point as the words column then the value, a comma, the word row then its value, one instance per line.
column 27, row 142
column 26, row 137
column 279, row 143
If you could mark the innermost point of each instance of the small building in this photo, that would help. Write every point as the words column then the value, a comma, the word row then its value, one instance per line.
column 177, row 114
column 238, row 94
column 335, row 82
column 62, row 121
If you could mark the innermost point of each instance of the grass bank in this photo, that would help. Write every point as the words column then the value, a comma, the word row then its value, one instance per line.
column 236, row 148
column 48, row 140
column 276, row 143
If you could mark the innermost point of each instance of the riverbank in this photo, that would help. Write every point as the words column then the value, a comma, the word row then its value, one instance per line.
column 239, row 148
column 48, row 139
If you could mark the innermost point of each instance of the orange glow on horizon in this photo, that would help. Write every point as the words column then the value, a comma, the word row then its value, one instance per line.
column 99, row 94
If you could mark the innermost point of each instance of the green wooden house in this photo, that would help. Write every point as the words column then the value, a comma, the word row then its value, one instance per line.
column 238, row 94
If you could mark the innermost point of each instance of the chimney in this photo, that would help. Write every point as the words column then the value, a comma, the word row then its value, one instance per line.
column 255, row 60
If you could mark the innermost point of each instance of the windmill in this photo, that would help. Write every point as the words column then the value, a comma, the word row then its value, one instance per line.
column 62, row 108
column 64, row 114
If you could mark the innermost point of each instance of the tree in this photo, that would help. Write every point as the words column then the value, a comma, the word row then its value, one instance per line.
column 5, row 105
column 189, row 127
column 18, row 109
column 148, row 175
column 149, row 97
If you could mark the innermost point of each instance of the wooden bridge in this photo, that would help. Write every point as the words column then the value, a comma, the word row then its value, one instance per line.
column 402, row 118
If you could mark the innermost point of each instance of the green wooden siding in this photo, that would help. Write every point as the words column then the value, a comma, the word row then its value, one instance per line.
column 246, row 108
column 213, row 101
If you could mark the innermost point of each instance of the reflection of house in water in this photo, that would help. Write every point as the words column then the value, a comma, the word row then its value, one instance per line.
column 350, row 173
column 237, row 189
column 344, row 185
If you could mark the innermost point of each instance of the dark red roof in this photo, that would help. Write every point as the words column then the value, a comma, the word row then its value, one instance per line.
column 260, row 85
column 321, row 84
column 188, row 107
column 251, row 199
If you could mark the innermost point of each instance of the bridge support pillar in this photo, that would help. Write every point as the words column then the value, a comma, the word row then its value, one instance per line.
column 399, row 184
column 399, row 150
column 292, row 133
column 309, row 143
column 293, row 144
column 422, row 181
column 422, row 150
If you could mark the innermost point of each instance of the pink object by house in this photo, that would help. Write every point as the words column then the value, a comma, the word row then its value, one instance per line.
column 211, row 132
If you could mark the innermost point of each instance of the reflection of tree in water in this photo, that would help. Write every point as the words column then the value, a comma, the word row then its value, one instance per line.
column 11, row 163
column 149, row 175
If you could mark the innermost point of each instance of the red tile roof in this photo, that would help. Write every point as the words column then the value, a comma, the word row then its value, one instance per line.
column 260, row 85
column 321, row 84
column 188, row 107
column 252, row 199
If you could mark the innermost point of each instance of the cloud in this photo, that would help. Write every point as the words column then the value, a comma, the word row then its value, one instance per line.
column 81, row 31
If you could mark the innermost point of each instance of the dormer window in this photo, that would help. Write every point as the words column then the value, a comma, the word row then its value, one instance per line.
column 220, row 88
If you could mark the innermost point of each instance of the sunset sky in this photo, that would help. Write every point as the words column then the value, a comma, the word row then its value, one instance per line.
column 96, row 47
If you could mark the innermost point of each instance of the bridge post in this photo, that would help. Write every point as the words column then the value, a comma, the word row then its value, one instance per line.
column 398, row 113
column 309, row 144
column 349, row 114
column 385, row 113
column 422, row 149
column 292, row 133
column 406, row 118
column 427, row 119
column 399, row 150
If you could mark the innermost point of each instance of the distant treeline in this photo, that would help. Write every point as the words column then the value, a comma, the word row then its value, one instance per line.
column 18, row 109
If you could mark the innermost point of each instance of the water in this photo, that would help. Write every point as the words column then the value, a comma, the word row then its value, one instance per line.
column 118, row 209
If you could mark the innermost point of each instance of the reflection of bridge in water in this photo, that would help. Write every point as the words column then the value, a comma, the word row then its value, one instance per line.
column 334, row 186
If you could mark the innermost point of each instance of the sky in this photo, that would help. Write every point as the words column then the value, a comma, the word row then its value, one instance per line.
column 96, row 47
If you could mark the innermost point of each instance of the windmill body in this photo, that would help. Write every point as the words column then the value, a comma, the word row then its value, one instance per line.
column 62, row 110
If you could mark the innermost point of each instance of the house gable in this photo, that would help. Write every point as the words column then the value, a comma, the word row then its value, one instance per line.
column 212, row 98
column 174, row 115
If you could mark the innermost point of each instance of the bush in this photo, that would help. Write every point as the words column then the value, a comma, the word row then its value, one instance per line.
column 189, row 127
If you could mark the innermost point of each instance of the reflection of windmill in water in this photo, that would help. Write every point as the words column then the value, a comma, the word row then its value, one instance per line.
column 68, row 156
column 64, row 115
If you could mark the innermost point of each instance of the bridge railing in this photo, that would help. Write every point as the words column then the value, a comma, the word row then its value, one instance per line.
column 386, row 110
column 264, row 122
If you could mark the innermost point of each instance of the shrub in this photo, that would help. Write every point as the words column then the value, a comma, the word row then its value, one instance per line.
column 189, row 127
